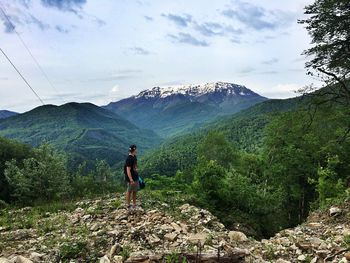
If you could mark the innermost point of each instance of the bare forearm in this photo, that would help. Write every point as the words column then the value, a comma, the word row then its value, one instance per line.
column 129, row 175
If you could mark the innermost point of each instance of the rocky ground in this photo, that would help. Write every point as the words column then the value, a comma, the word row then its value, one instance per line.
column 103, row 230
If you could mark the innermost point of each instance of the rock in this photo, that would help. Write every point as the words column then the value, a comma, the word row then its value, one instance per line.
column 347, row 256
column 314, row 260
column 323, row 246
column 36, row 256
column 315, row 242
column 302, row 258
column 114, row 250
column 176, row 227
column 155, row 258
column 305, row 246
column 170, row 236
column 20, row 259
column 333, row 211
column 118, row 259
column 95, row 227
column 105, row 259
column 199, row 237
column 237, row 236
column 79, row 210
column 280, row 260
column 153, row 239
column 346, row 232
column 4, row 260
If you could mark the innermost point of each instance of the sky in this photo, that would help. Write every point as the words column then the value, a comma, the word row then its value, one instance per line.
column 104, row 50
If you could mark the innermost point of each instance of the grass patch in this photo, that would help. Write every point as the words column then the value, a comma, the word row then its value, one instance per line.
column 346, row 241
column 116, row 204
column 72, row 250
column 125, row 252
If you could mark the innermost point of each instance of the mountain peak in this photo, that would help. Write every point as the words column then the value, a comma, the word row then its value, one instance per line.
column 196, row 90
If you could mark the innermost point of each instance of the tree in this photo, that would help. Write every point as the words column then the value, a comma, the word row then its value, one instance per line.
column 215, row 147
column 103, row 171
column 10, row 150
column 42, row 177
column 328, row 24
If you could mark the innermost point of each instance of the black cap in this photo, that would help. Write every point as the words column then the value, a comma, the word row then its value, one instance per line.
column 132, row 147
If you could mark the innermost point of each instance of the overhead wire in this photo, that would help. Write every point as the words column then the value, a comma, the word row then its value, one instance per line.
column 27, row 48
column 24, row 79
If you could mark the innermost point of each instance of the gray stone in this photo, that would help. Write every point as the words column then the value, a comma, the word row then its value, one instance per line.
column 170, row 236
column 237, row 236
column 21, row 259
column 334, row 211
column 105, row 259
column 36, row 256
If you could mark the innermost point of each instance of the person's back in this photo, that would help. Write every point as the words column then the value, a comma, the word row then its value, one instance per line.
column 131, row 176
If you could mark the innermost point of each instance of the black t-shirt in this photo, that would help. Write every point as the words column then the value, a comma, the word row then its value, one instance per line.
column 131, row 161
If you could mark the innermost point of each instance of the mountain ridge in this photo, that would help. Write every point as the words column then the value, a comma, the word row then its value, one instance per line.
column 6, row 114
column 84, row 130
column 162, row 109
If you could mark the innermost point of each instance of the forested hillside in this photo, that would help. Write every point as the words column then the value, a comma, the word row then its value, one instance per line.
column 302, row 162
column 244, row 129
column 84, row 131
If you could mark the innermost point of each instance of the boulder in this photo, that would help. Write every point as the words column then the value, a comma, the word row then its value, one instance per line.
column 153, row 239
column 170, row 236
column 302, row 258
column 347, row 256
column 4, row 260
column 36, row 256
column 21, row 259
column 105, row 259
column 118, row 259
column 237, row 236
column 199, row 237
column 176, row 227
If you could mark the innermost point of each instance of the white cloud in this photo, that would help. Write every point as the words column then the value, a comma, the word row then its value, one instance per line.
column 89, row 56
column 279, row 91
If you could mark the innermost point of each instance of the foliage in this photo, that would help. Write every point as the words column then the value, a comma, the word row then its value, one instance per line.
column 295, row 149
column 328, row 24
column 174, row 257
column 44, row 176
column 125, row 252
column 9, row 150
column 72, row 250
column 272, row 188
column 330, row 185
column 245, row 130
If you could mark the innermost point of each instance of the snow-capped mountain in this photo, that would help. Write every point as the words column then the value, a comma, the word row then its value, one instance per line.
column 196, row 90
column 170, row 110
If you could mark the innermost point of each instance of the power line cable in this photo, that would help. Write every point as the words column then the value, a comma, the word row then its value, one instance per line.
column 13, row 65
column 27, row 48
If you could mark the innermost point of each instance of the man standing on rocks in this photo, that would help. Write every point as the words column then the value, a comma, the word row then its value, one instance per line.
column 131, row 176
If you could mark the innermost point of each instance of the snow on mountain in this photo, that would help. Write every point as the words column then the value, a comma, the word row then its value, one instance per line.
column 196, row 90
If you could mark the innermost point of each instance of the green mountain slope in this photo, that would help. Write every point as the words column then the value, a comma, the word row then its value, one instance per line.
column 85, row 131
column 5, row 114
column 245, row 129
